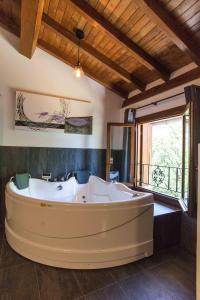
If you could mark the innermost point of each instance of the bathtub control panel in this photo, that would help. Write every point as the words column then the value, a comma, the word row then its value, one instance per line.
column 84, row 199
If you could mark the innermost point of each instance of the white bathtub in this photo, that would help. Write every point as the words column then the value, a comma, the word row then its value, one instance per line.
column 82, row 226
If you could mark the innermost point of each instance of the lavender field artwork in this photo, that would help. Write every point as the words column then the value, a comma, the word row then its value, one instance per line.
column 81, row 125
column 48, row 113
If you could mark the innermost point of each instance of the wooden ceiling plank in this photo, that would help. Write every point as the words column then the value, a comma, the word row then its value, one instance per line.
column 60, row 10
column 67, row 14
column 102, row 5
column 89, row 31
column 46, row 6
column 9, row 25
column 110, row 7
column 98, row 20
column 184, row 8
column 15, row 9
column 143, row 32
column 59, row 55
column 59, row 29
column 172, row 27
column 31, row 16
column 173, row 83
column 122, row 6
column 127, row 16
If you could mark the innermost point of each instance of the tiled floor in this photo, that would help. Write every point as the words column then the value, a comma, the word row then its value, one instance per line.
column 169, row 275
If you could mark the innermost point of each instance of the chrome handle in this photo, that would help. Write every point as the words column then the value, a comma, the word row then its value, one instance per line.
column 11, row 178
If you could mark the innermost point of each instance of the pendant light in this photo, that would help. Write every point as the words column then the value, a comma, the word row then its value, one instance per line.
column 78, row 68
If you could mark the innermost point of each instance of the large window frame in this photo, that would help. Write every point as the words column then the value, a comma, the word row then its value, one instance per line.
column 167, row 114
column 192, row 96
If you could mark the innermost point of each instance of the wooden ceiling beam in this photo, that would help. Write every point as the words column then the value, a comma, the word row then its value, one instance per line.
column 176, row 31
column 61, row 56
column 31, row 16
column 88, row 49
column 99, row 21
column 173, row 83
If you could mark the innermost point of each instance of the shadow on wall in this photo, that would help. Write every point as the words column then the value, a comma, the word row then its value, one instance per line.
column 12, row 40
column 58, row 161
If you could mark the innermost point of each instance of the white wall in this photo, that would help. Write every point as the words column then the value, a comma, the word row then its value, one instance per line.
column 44, row 73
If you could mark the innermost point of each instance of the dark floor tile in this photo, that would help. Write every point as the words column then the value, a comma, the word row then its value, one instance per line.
column 57, row 284
column 169, row 275
column 144, row 287
column 18, row 282
column 8, row 257
column 169, row 253
column 150, row 262
column 125, row 271
column 90, row 280
column 187, row 262
column 111, row 292
column 158, row 258
column 175, row 279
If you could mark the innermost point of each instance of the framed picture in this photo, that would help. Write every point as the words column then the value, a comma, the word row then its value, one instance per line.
column 80, row 125
column 38, row 112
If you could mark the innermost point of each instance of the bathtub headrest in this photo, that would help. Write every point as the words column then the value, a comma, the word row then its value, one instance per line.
column 22, row 181
column 82, row 176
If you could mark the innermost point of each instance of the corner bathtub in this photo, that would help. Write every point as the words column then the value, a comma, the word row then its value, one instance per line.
column 79, row 226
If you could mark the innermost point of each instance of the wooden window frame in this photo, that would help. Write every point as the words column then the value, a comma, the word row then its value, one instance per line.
column 169, row 113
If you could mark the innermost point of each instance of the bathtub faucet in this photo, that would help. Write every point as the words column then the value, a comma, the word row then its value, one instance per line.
column 46, row 176
column 69, row 174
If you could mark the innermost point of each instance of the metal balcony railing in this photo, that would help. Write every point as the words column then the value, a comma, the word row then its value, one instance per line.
column 166, row 179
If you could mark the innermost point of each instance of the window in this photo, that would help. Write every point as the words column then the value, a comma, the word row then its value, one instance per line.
column 186, row 159
column 160, row 157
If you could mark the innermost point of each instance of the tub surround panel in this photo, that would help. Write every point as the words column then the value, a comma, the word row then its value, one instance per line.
column 167, row 230
column 189, row 233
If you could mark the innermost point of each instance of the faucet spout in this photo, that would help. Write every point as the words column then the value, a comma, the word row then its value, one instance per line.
column 68, row 175
column 46, row 176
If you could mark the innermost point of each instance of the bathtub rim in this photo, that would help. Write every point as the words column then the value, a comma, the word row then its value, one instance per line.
column 145, row 199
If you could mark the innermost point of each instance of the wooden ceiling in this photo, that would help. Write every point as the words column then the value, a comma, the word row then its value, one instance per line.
column 128, row 44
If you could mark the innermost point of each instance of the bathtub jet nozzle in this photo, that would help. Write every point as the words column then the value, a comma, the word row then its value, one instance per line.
column 59, row 188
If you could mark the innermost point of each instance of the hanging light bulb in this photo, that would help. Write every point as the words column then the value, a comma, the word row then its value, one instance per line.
column 78, row 68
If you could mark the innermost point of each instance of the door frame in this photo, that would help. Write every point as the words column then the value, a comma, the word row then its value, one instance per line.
column 133, row 147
